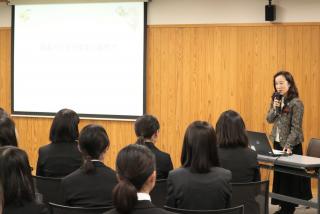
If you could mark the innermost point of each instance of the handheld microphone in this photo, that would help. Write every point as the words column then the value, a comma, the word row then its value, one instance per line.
column 277, row 96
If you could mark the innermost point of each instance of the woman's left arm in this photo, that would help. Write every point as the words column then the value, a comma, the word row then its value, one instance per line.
column 295, row 123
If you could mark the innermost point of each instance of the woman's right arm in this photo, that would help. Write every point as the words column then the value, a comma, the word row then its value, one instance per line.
column 272, row 113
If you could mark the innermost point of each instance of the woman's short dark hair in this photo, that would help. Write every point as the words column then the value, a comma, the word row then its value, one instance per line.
column 64, row 126
column 15, row 175
column 93, row 141
column 231, row 130
column 293, row 90
column 7, row 130
column 135, row 163
column 145, row 126
column 199, row 149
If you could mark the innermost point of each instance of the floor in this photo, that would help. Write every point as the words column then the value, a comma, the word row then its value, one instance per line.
column 299, row 210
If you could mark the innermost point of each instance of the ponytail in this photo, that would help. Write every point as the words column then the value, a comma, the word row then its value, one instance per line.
column 88, row 167
column 124, row 196
column 134, row 164
column 93, row 142
column 140, row 140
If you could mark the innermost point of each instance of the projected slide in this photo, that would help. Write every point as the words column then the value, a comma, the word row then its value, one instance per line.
column 87, row 57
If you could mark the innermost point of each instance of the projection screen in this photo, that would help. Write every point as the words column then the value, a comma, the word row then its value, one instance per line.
column 89, row 57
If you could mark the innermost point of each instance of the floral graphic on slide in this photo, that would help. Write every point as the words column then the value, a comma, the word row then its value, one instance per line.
column 25, row 15
column 130, row 16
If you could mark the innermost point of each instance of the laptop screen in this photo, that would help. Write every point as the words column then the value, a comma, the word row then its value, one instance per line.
column 259, row 142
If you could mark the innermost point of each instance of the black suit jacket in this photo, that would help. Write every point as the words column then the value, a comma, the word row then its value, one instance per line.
column 89, row 190
column 142, row 207
column 58, row 159
column 28, row 207
column 163, row 161
column 195, row 191
column 242, row 162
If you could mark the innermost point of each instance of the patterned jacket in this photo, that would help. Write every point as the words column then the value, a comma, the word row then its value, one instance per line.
column 289, row 123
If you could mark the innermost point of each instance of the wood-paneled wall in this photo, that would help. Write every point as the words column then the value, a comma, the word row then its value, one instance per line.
column 195, row 72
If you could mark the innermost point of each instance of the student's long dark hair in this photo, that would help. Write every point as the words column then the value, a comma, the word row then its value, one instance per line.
column 93, row 141
column 7, row 130
column 135, row 163
column 199, row 149
column 15, row 176
column 231, row 130
column 145, row 126
column 293, row 90
column 64, row 127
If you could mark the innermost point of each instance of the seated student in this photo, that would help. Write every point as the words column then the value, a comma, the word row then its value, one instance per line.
column 136, row 174
column 16, row 179
column 61, row 156
column 147, row 130
column 234, row 153
column 7, row 130
column 92, row 184
column 200, row 183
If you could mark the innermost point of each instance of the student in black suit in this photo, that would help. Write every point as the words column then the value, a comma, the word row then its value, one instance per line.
column 92, row 184
column 147, row 130
column 200, row 183
column 61, row 156
column 136, row 174
column 234, row 153
column 7, row 130
column 16, row 179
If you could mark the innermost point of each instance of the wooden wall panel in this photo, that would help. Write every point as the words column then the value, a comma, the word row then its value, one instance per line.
column 195, row 72
column 5, row 74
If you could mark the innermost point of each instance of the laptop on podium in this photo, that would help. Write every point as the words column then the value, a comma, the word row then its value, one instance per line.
column 259, row 142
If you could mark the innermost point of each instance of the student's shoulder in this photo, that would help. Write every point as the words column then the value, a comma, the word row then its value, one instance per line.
column 164, row 155
column 77, row 174
column 45, row 148
column 106, row 169
column 179, row 172
column 221, row 173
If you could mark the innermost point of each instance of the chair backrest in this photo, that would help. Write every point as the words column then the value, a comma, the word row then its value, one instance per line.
column 49, row 188
column 159, row 193
column 253, row 195
column 314, row 148
column 61, row 209
column 233, row 210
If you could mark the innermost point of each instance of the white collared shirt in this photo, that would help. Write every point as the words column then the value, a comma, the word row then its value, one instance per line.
column 143, row 196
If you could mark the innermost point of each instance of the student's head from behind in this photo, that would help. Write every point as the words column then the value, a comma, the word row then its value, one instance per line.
column 7, row 130
column 146, row 128
column 64, row 127
column 199, row 149
column 135, row 166
column 284, row 84
column 231, row 130
column 15, row 175
column 93, row 143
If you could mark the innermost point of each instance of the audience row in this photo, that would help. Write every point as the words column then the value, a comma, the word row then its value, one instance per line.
column 210, row 161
